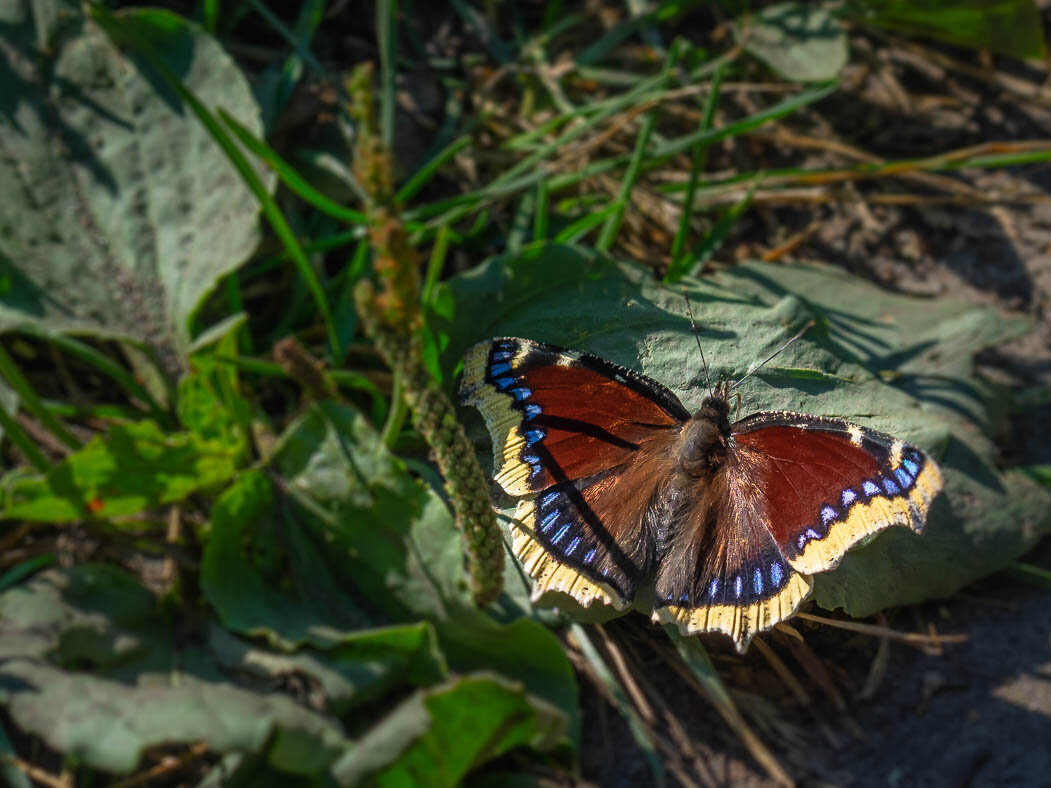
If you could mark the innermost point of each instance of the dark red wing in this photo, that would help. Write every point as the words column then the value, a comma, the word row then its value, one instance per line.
column 557, row 415
column 585, row 435
column 828, row 483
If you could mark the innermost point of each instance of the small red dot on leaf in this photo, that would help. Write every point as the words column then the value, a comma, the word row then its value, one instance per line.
column 96, row 504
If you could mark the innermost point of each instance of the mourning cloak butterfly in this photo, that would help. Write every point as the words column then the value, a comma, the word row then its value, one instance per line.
column 624, row 488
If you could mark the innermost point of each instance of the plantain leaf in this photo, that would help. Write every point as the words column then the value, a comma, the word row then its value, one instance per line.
column 898, row 364
column 388, row 541
column 118, row 213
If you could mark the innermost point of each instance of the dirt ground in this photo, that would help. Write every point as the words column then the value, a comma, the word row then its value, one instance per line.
column 979, row 713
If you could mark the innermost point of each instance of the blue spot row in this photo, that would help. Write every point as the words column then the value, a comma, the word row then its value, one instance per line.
column 898, row 482
column 764, row 582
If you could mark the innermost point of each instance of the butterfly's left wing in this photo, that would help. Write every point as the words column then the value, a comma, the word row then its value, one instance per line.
column 796, row 492
column 585, row 440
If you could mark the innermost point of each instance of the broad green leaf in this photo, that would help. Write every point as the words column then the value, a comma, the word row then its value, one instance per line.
column 392, row 539
column 438, row 735
column 134, row 467
column 265, row 574
column 1013, row 27
column 118, row 212
column 799, row 41
column 364, row 666
column 898, row 364
column 142, row 690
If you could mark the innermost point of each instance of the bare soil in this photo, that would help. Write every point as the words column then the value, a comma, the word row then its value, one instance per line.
column 979, row 712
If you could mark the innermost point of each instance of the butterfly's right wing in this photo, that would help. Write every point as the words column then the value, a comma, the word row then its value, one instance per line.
column 587, row 441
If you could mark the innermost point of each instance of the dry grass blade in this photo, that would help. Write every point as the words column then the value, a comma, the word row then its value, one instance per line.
column 680, row 750
column 166, row 766
column 64, row 780
column 816, row 670
column 626, row 676
column 695, row 666
column 931, row 640
column 587, row 657
column 879, row 665
column 781, row 669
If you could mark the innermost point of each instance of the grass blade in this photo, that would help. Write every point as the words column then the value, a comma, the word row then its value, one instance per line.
column 108, row 367
column 288, row 175
column 612, row 225
column 698, row 163
column 14, row 378
column 21, row 571
column 14, row 432
column 387, row 33
column 423, row 176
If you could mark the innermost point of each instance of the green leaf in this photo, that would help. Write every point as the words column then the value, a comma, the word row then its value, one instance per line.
column 394, row 537
column 118, row 213
column 864, row 338
column 800, row 42
column 364, row 666
column 265, row 574
column 392, row 540
column 210, row 402
column 438, row 735
column 143, row 690
column 1012, row 27
column 135, row 467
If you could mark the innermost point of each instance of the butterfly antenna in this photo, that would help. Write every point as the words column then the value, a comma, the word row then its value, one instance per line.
column 697, row 336
column 764, row 362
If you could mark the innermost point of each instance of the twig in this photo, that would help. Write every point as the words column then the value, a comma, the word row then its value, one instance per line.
column 918, row 639
column 166, row 766
column 36, row 773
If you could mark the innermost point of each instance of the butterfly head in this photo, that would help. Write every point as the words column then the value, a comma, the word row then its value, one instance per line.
column 704, row 438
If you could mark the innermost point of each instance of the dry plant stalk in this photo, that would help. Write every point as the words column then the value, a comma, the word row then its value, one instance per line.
column 391, row 316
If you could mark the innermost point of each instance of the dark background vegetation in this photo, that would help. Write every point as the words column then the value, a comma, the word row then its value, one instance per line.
column 231, row 559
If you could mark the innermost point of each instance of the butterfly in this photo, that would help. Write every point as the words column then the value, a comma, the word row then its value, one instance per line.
column 624, row 492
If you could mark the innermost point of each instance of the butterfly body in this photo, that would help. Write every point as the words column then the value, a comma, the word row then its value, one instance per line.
column 624, row 490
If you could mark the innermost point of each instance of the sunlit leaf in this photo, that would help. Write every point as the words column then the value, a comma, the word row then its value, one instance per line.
column 118, row 213
column 986, row 517
column 134, row 467
column 1013, row 27
column 438, row 735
